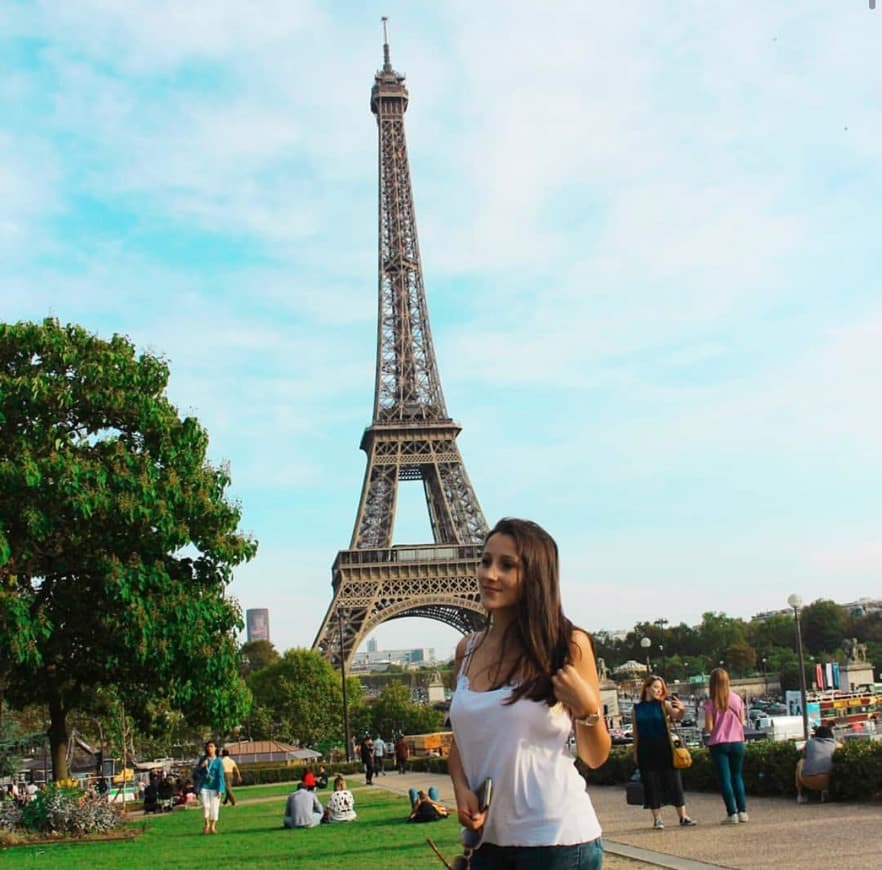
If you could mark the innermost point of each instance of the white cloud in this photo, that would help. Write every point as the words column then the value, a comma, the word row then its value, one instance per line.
column 648, row 245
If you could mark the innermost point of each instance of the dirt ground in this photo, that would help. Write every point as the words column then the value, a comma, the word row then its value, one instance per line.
column 614, row 862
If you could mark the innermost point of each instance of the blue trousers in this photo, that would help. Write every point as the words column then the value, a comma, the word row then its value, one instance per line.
column 728, row 759
column 432, row 793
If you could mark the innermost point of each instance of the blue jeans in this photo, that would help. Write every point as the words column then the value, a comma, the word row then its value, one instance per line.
column 582, row 856
column 728, row 759
column 412, row 794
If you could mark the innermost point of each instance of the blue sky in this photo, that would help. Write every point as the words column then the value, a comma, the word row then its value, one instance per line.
column 651, row 243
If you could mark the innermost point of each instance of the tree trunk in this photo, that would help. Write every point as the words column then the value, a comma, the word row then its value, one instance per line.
column 58, row 738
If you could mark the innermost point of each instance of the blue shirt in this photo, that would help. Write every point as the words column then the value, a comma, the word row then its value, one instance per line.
column 213, row 775
column 649, row 720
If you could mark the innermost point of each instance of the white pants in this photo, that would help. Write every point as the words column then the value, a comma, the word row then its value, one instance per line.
column 210, row 804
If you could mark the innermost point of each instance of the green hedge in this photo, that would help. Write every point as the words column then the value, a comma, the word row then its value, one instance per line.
column 768, row 770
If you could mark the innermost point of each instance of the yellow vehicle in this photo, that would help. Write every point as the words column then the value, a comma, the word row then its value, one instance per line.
column 437, row 743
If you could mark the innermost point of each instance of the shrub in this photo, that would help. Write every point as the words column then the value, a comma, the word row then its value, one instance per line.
column 769, row 768
column 857, row 771
column 63, row 810
column 10, row 815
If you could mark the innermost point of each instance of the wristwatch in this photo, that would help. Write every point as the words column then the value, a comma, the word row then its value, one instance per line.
column 588, row 721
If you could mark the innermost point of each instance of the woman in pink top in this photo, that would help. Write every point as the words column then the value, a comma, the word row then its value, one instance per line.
column 724, row 720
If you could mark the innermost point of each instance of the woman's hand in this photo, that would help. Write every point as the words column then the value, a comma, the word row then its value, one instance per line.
column 677, row 709
column 467, row 810
column 575, row 692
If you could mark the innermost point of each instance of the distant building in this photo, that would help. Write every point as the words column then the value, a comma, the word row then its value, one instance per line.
column 257, row 624
column 373, row 659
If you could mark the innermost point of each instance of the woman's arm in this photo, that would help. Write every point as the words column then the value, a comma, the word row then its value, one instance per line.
column 466, row 799
column 577, row 686
column 708, row 721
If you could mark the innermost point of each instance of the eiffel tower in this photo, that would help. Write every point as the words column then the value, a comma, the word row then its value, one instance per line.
column 411, row 437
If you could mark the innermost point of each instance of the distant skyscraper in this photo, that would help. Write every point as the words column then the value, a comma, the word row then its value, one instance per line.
column 372, row 645
column 257, row 624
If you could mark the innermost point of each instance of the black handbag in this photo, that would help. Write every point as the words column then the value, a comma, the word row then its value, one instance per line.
column 634, row 790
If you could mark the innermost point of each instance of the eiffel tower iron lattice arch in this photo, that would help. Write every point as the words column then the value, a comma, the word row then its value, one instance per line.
column 411, row 437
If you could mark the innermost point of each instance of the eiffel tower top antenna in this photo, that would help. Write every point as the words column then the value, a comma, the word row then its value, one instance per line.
column 387, row 64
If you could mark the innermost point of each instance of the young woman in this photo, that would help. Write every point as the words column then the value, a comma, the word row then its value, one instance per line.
column 652, row 751
column 211, row 786
column 724, row 721
column 341, row 803
column 524, row 684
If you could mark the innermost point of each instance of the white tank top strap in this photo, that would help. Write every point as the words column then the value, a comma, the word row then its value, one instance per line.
column 471, row 643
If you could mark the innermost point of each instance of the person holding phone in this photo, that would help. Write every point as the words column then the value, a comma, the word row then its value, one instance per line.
column 662, row 783
column 524, row 684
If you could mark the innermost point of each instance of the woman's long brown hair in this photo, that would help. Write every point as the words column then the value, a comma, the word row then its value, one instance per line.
column 541, row 630
column 719, row 689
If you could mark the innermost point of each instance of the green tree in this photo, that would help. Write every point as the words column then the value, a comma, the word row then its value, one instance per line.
column 256, row 655
column 718, row 632
column 302, row 695
column 741, row 657
column 394, row 712
column 116, row 540
column 778, row 630
column 823, row 626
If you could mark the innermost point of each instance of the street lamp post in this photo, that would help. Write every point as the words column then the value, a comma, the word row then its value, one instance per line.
column 661, row 624
column 345, row 699
column 765, row 676
column 646, row 643
column 796, row 602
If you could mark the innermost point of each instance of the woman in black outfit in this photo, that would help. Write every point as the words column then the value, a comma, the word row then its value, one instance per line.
column 652, row 751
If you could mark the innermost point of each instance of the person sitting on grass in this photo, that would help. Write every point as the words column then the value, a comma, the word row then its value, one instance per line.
column 814, row 768
column 341, row 803
column 303, row 809
column 425, row 807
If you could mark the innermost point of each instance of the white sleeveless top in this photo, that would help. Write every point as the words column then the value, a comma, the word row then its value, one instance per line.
column 539, row 798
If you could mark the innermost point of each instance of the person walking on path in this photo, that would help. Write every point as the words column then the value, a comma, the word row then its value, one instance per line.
column 379, row 752
column 724, row 721
column 366, row 753
column 652, row 751
column 523, row 684
column 402, row 753
column 231, row 769
column 210, row 774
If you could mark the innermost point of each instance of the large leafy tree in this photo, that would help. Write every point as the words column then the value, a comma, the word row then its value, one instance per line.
column 395, row 713
column 301, row 698
column 256, row 655
column 823, row 626
column 116, row 539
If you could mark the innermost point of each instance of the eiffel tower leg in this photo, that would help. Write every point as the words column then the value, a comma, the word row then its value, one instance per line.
column 375, row 522
column 341, row 629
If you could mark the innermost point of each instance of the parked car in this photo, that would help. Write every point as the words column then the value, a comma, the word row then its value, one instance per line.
column 620, row 737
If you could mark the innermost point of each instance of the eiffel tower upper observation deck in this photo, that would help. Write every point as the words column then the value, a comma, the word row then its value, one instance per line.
column 411, row 436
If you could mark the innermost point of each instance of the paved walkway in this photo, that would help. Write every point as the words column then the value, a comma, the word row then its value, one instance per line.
column 781, row 834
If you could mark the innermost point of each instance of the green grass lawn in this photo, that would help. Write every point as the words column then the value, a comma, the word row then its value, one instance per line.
column 251, row 835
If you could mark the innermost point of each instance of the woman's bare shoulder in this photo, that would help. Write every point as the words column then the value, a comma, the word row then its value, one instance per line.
column 581, row 643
